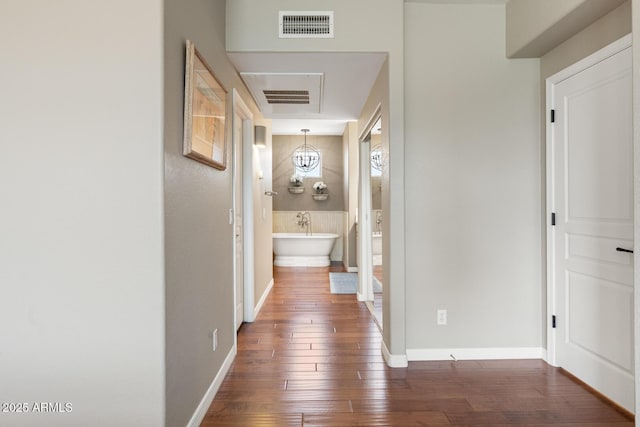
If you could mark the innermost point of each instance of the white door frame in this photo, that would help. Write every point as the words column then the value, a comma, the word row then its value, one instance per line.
column 240, row 108
column 365, row 263
column 601, row 55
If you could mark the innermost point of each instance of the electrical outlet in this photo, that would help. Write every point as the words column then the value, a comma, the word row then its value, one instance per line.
column 214, row 340
column 442, row 317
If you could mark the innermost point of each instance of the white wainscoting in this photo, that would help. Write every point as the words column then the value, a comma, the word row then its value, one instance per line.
column 345, row 237
column 321, row 222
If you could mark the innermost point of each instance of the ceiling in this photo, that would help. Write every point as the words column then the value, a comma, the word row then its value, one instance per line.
column 338, row 85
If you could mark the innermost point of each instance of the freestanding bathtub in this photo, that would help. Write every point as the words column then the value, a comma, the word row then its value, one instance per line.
column 301, row 250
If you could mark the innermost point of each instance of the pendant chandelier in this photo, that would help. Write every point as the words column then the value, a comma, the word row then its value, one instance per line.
column 305, row 158
column 376, row 158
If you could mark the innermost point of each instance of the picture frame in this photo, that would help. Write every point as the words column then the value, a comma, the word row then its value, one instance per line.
column 205, row 111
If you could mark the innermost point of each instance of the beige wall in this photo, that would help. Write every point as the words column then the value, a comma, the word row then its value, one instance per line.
column 358, row 23
column 472, row 182
column 330, row 148
column 81, row 252
column 198, row 236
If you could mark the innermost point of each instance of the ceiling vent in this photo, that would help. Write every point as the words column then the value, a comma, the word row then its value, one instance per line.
column 306, row 25
column 290, row 94
column 287, row 96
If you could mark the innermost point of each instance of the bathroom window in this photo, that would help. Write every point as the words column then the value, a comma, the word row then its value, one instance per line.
column 316, row 172
column 376, row 160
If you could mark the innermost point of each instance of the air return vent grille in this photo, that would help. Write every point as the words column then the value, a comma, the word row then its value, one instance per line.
column 306, row 25
column 287, row 96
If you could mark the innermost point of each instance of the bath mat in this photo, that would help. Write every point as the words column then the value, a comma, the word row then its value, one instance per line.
column 347, row 283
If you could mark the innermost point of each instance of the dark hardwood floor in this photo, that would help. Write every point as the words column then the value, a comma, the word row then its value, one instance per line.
column 313, row 359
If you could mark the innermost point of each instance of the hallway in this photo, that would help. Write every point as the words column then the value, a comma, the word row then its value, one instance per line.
column 312, row 358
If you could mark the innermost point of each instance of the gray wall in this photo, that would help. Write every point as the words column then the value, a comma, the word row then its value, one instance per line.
column 81, row 252
column 198, row 236
column 330, row 148
column 472, row 181
column 376, row 193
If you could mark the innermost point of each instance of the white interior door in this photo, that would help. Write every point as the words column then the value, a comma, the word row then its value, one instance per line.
column 239, row 255
column 592, row 198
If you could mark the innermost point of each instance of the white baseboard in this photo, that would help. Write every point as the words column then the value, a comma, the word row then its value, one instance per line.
column 263, row 298
column 545, row 355
column 394, row 360
column 417, row 354
column 201, row 410
column 352, row 269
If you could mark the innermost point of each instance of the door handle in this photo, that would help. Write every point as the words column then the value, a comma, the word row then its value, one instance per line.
column 624, row 250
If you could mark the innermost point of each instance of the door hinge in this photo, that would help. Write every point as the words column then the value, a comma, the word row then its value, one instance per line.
column 553, row 321
column 553, row 218
column 553, row 116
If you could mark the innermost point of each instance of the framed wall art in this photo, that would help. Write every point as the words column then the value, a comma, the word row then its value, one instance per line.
column 205, row 108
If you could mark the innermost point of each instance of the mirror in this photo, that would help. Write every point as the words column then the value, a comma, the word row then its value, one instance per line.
column 376, row 168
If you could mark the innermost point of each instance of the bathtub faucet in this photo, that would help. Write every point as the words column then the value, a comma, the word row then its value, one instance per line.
column 304, row 220
column 378, row 219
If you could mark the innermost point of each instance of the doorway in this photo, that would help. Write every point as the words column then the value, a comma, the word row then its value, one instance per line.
column 590, row 234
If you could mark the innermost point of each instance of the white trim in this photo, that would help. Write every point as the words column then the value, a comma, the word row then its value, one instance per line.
column 377, row 113
column 635, row 22
column 248, row 248
column 364, row 257
column 394, row 360
column 550, row 197
column 352, row 269
column 241, row 108
column 591, row 60
column 545, row 355
column 263, row 298
column 422, row 354
column 201, row 410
